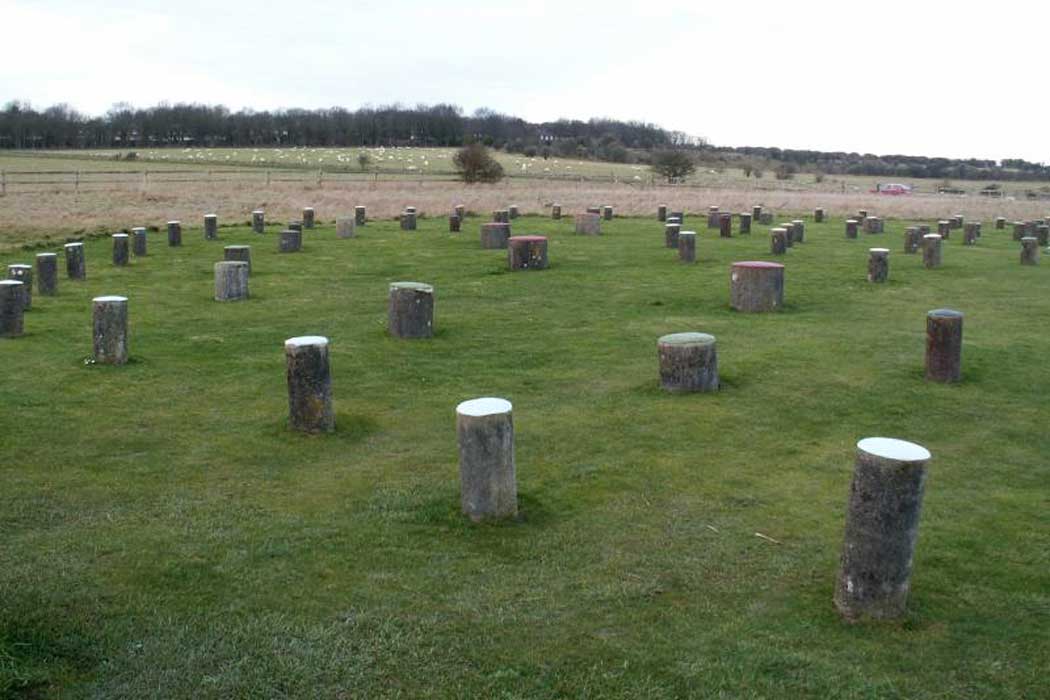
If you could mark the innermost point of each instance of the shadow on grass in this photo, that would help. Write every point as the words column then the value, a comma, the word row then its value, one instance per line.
column 350, row 428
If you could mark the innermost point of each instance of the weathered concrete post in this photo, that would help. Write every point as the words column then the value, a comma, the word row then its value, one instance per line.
column 76, row 266
column 47, row 274
column 512, row 211
column 607, row 213
column 345, row 227
column 680, row 215
column 309, row 384
column 878, row 264
column 294, row 225
column 139, row 241
column 411, row 310
column 24, row 274
column 12, row 308
column 789, row 229
column 911, row 239
column 778, row 238
column 931, row 250
column 1000, row 222
column 460, row 210
column 259, row 221
column 957, row 221
column 408, row 221
column 360, row 215
column 527, row 253
column 882, row 525
column 174, row 233
column 556, row 212
column 943, row 228
column 944, row 328
column 290, row 241
column 799, row 230
column 756, row 286
column 411, row 210
column 818, row 216
column 231, row 280
column 712, row 217
column 594, row 210
column 308, row 217
column 501, row 216
column 110, row 330
column 923, row 230
column 1019, row 230
column 969, row 233
column 671, row 234
column 686, row 241
column 851, row 228
column 1029, row 251
column 494, row 235
column 661, row 212
column 487, row 482
column 453, row 223
column 725, row 225
column 977, row 229
column 120, row 249
column 688, row 362
column 589, row 224
column 745, row 222
column 242, row 253
column 862, row 215
column 211, row 227
column 756, row 213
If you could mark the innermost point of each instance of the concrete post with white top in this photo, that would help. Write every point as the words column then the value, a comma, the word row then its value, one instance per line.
column 878, row 264
column 688, row 362
column 110, row 330
column 12, row 308
column 76, row 265
column 47, row 274
column 309, row 384
column 487, row 479
column 24, row 274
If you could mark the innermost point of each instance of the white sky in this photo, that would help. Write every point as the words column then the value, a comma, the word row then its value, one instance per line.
column 924, row 77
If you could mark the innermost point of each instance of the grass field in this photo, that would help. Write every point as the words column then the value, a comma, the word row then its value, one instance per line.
column 164, row 535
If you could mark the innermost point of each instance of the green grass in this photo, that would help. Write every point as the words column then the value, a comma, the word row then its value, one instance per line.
column 163, row 534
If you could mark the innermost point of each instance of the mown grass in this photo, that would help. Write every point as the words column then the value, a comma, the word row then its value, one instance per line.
column 162, row 534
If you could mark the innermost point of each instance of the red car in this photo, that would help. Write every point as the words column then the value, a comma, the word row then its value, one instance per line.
column 894, row 188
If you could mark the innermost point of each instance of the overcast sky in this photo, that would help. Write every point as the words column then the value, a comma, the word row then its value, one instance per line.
column 922, row 77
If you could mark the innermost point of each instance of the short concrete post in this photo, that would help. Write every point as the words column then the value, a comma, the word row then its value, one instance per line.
column 1029, row 251
column 453, row 223
column 76, row 265
column 556, row 212
column 931, row 250
column 12, row 308
column 290, row 241
column 712, row 217
column 295, row 225
column 411, row 310
column 680, row 215
column 878, row 264
column 139, row 241
column 408, row 221
column 501, row 216
column 851, row 228
column 110, row 330
column 460, row 210
column 345, row 227
column 487, row 481
column 766, row 218
column 969, row 233
column 745, row 223
column 882, row 525
column 688, row 362
column 661, row 212
column 1019, row 230
column 911, row 239
column 308, row 217
column 778, row 238
column 944, row 328
column 309, row 384
column 231, row 280
column 494, row 235
column 756, row 213
column 818, row 216
column 211, row 227
column 1000, row 222
column 47, row 274
column 527, row 253
column 607, row 213
column 174, row 233
column 121, row 249
column 512, row 211
column 756, row 286
column 944, row 228
column 923, row 230
column 686, row 246
column 258, row 221
column 957, row 221
column 799, row 230
column 977, row 229
column 242, row 253
column 790, row 229
column 725, row 225
column 671, row 234
column 360, row 215
column 24, row 274
column 588, row 224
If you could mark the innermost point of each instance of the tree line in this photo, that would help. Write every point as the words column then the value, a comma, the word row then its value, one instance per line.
column 124, row 126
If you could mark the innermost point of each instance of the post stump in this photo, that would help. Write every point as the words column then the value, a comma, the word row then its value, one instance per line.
column 12, row 308
column 110, row 330
column 931, row 250
column 588, row 224
column 745, row 223
column 174, row 234
column 411, row 310
column 139, row 241
column 494, row 235
column 688, row 362
column 1029, row 251
column 851, row 228
column 308, row 217
column 241, row 253
column 345, row 227
column 231, row 280
column 76, row 265
column 121, row 249
column 211, row 227
column 47, row 274
column 671, row 234
column 756, row 286
column 309, row 384
column 487, row 480
column 360, row 215
column 24, row 274
column 778, row 238
column 878, row 264
column 258, row 221
column 944, row 328
column 686, row 246
column 527, row 252
column 290, row 241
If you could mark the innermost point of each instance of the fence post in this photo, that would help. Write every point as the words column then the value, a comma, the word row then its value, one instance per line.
column 3, row 182
column 320, row 176
column 76, row 183
column 145, row 180
column 267, row 178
